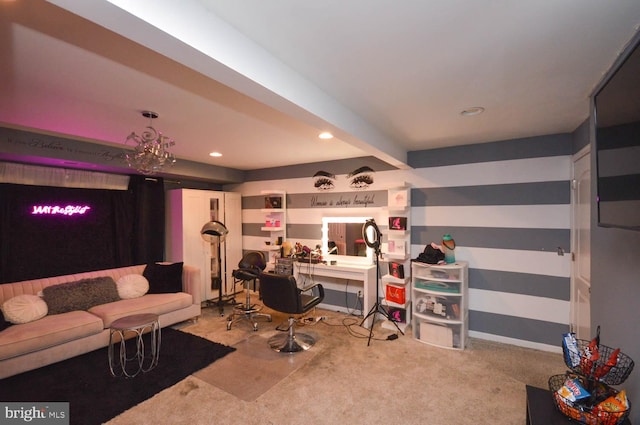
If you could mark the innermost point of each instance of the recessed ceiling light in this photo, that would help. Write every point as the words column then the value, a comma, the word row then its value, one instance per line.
column 215, row 154
column 476, row 110
column 325, row 135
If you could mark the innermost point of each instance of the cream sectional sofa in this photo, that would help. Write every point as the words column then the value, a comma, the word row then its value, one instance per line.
column 57, row 337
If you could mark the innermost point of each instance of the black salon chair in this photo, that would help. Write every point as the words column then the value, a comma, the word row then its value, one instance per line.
column 281, row 293
column 249, row 268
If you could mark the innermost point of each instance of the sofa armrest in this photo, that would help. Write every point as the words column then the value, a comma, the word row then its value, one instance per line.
column 191, row 282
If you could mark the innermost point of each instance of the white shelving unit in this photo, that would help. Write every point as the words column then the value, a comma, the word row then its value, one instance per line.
column 395, row 267
column 440, row 303
column 275, row 224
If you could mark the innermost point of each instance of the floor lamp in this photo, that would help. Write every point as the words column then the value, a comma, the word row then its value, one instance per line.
column 211, row 232
column 372, row 237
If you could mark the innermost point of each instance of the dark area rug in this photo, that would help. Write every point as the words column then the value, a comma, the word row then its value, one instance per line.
column 95, row 396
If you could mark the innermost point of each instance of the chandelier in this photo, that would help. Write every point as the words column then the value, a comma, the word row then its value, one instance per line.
column 150, row 153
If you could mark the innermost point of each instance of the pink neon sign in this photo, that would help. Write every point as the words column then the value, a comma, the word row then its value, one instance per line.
column 68, row 210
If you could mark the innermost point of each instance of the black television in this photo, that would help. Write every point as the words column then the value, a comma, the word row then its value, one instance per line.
column 617, row 118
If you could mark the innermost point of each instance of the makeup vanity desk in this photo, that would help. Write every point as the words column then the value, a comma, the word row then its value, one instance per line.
column 365, row 273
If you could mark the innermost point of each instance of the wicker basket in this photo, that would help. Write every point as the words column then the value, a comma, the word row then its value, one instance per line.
column 583, row 413
column 615, row 376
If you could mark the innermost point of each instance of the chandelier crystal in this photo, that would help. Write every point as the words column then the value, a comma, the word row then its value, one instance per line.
column 151, row 150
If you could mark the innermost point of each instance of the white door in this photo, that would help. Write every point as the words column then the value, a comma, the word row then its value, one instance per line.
column 580, row 241
column 197, row 252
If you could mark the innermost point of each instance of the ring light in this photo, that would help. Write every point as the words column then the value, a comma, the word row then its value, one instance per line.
column 375, row 243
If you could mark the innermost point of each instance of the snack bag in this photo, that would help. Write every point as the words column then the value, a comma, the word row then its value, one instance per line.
column 590, row 356
column 572, row 390
column 611, row 410
column 572, row 355
column 603, row 369
column 622, row 399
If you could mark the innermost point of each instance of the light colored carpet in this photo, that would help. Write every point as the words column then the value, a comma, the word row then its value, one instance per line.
column 253, row 369
column 346, row 381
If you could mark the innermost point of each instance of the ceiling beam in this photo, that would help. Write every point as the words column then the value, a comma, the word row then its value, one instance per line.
column 190, row 34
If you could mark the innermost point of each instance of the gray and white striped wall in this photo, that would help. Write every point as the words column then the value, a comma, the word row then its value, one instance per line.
column 507, row 205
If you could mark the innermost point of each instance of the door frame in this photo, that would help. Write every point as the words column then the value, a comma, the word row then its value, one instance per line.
column 585, row 151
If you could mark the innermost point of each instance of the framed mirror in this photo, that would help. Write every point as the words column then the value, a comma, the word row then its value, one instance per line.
column 342, row 240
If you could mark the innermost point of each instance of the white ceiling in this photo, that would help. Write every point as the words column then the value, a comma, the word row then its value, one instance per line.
column 258, row 80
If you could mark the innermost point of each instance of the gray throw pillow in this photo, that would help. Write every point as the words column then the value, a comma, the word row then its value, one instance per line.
column 80, row 295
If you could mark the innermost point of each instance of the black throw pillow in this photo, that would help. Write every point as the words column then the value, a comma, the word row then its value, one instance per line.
column 164, row 278
column 3, row 323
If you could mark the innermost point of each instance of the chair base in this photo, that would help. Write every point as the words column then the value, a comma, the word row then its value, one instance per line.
column 249, row 314
column 286, row 343
column 246, row 311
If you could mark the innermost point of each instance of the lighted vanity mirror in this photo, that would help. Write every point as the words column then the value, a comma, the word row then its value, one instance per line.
column 342, row 240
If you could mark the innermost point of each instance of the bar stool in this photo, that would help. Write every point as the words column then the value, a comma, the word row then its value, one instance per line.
column 249, row 268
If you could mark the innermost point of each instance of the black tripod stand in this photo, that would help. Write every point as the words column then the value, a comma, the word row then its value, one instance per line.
column 377, row 306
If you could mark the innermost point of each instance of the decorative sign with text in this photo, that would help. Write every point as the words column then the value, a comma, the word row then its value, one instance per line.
column 68, row 210
column 344, row 201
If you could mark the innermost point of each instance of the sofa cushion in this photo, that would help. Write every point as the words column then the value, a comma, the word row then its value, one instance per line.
column 24, row 309
column 132, row 286
column 47, row 332
column 80, row 295
column 164, row 278
column 150, row 303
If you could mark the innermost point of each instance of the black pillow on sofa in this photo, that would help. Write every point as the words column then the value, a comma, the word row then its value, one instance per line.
column 164, row 278
column 3, row 323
